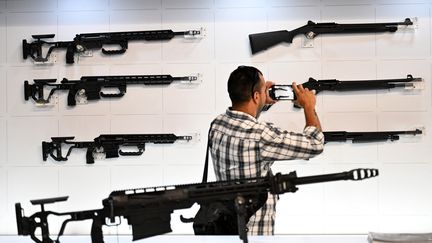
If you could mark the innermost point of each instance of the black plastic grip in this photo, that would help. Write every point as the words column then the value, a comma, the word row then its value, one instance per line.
column 96, row 231
column 71, row 97
column 89, row 158
column 70, row 53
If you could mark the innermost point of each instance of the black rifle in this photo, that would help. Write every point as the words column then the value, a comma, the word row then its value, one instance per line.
column 365, row 137
column 90, row 87
column 108, row 145
column 148, row 210
column 352, row 85
column 90, row 41
column 263, row 41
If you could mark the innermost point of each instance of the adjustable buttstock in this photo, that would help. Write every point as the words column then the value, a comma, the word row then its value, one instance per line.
column 27, row 90
column 22, row 227
column 26, row 48
column 47, row 147
column 263, row 41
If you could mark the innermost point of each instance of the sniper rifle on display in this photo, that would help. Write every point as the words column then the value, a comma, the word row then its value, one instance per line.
column 107, row 145
column 83, row 43
column 226, row 206
column 90, row 87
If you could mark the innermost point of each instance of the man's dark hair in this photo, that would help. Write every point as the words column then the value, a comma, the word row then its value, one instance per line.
column 242, row 83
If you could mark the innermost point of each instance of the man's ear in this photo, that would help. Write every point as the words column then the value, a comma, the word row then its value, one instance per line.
column 255, row 97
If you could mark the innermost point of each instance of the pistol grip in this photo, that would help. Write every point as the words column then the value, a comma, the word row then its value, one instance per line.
column 89, row 157
column 96, row 231
column 70, row 53
column 71, row 97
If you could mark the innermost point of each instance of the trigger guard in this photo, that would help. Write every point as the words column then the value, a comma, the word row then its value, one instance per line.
column 113, row 52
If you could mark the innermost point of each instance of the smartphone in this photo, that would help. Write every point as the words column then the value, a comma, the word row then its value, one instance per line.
column 282, row 92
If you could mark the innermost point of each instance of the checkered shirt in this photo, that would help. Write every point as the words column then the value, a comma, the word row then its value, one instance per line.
column 242, row 147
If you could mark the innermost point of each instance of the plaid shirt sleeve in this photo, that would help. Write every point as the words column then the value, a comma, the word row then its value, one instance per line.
column 278, row 144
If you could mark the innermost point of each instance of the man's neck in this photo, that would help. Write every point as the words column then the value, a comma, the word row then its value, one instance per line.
column 246, row 108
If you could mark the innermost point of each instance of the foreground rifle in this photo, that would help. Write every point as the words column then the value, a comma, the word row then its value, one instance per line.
column 263, row 41
column 86, row 42
column 107, row 146
column 90, row 87
column 365, row 137
column 148, row 210
column 352, row 85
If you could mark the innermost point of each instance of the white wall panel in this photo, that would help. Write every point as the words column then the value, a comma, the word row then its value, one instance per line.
column 239, row 4
column 352, row 2
column 183, row 98
column 348, row 224
column 82, row 5
column 187, row 4
column 351, row 46
column 139, row 51
column 182, row 152
column 413, row 149
column 28, row 183
column 335, row 101
column 22, row 26
column 139, row 99
column 188, row 50
column 3, row 92
column 31, row 6
column 290, row 18
column 143, row 176
column 3, row 39
column 3, row 204
column 405, row 197
column 16, row 103
column 409, row 43
column 282, row 3
column 2, row 5
column 135, row 4
column 308, row 200
column 3, row 141
column 240, row 23
column 400, row 99
column 348, row 152
column 28, row 133
column 405, row 223
column 348, row 197
column 74, row 23
column 286, row 73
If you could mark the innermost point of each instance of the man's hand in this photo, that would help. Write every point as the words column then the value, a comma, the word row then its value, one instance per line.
column 269, row 100
column 305, row 98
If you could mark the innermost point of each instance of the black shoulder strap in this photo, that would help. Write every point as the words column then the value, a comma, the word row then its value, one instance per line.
column 205, row 173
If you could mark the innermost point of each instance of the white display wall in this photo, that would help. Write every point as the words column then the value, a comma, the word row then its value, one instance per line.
column 399, row 200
